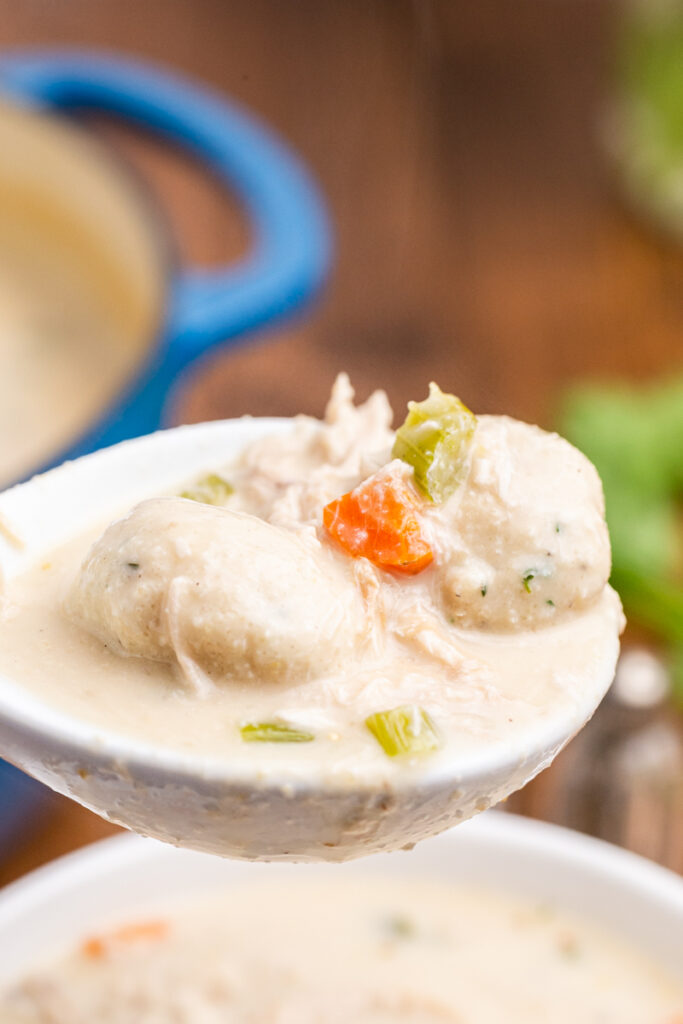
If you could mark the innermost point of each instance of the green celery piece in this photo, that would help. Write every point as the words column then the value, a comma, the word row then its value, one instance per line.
column 435, row 439
column 211, row 490
column 274, row 732
column 404, row 730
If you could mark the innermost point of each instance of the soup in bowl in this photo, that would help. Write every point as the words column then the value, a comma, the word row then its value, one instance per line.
column 503, row 918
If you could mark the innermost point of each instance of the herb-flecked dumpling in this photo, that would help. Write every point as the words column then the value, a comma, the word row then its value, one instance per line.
column 227, row 595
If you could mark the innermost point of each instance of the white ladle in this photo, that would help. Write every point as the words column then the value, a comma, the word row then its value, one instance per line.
column 207, row 803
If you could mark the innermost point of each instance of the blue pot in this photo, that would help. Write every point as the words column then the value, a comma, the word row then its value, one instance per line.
column 285, row 267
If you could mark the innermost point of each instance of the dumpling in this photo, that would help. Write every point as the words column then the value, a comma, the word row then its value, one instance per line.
column 227, row 595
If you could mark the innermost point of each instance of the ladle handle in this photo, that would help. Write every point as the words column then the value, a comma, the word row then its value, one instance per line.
column 291, row 247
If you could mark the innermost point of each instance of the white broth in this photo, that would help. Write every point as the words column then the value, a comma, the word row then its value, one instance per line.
column 217, row 629
column 371, row 952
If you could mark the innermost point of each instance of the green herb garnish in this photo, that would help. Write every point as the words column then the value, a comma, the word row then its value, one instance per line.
column 528, row 576
column 211, row 490
column 435, row 440
column 133, row 565
column 273, row 732
column 404, row 730
column 532, row 574
column 401, row 927
column 484, row 590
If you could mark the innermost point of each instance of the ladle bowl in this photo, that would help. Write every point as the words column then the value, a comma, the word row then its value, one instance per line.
column 208, row 803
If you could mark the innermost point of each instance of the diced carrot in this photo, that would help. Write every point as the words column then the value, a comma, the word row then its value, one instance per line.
column 98, row 946
column 146, row 931
column 380, row 520
column 94, row 948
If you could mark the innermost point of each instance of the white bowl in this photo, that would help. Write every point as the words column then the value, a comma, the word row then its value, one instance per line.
column 127, row 877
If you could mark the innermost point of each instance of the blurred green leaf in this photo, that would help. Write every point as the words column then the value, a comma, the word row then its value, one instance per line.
column 651, row 70
column 646, row 134
column 677, row 675
column 656, row 603
column 635, row 439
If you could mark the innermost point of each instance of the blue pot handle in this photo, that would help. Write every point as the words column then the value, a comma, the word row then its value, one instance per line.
column 291, row 250
column 288, row 261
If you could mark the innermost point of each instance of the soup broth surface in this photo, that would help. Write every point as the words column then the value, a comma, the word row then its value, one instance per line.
column 368, row 951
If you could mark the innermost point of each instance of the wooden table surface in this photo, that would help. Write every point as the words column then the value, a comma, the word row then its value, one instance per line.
column 479, row 240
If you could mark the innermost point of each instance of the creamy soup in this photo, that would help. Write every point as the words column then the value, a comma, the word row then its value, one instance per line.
column 81, row 286
column 355, row 952
column 66, row 336
column 338, row 593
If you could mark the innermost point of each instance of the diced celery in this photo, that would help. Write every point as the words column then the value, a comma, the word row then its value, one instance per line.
column 435, row 440
column 274, row 732
column 211, row 490
column 404, row 730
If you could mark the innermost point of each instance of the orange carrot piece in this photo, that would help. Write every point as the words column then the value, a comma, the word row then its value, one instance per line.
column 380, row 520
column 146, row 931
column 98, row 946
column 94, row 948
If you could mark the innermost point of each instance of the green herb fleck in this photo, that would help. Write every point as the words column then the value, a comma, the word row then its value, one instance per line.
column 210, row 490
column 401, row 927
column 531, row 574
column 404, row 730
column 484, row 590
column 133, row 565
column 528, row 576
column 551, row 603
column 568, row 946
column 274, row 732
column 558, row 528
